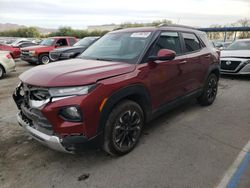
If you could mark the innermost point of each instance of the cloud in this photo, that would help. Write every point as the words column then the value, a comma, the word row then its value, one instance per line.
column 79, row 14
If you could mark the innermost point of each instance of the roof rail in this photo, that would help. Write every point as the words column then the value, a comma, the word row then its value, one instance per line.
column 175, row 25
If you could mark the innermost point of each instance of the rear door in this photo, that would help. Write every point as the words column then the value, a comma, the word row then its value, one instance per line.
column 193, row 67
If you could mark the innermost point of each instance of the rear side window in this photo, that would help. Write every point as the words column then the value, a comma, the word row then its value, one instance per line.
column 167, row 40
column 191, row 42
column 206, row 41
column 62, row 42
column 72, row 41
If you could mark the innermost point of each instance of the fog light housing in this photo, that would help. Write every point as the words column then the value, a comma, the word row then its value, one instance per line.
column 71, row 113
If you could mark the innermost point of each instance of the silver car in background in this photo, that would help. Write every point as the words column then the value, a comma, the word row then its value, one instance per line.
column 235, row 59
column 7, row 64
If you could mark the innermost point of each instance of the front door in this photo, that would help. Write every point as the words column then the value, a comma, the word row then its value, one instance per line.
column 165, row 78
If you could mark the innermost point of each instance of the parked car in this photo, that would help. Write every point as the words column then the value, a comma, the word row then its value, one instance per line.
column 72, row 52
column 108, row 93
column 40, row 54
column 15, row 49
column 236, row 58
column 221, row 45
column 7, row 64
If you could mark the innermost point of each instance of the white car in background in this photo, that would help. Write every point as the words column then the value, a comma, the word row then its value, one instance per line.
column 235, row 59
column 7, row 64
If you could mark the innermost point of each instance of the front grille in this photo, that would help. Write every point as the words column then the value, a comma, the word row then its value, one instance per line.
column 35, row 119
column 54, row 56
column 25, row 52
column 229, row 65
column 29, row 114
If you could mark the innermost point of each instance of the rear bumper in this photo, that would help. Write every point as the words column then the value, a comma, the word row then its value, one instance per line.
column 10, row 66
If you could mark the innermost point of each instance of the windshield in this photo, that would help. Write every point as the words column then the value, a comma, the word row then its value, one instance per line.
column 239, row 45
column 124, row 47
column 85, row 42
column 47, row 42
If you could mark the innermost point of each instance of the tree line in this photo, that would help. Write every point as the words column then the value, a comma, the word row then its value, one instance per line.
column 32, row 32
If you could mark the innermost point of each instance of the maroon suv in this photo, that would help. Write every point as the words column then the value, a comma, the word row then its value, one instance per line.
column 111, row 90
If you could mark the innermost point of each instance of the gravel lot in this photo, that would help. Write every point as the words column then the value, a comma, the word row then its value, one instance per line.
column 190, row 147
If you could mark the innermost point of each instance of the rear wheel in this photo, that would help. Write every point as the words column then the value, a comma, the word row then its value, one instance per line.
column 210, row 91
column 1, row 71
column 123, row 128
column 44, row 59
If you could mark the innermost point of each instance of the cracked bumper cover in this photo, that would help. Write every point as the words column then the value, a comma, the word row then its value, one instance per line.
column 52, row 142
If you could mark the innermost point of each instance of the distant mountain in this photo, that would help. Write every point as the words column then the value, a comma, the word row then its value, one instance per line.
column 10, row 26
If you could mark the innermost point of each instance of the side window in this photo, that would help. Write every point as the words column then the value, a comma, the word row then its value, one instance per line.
column 206, row 41
column 167, row 40
column 191, row 42
column 61, row 42
column 23, row 45
column 72, row 41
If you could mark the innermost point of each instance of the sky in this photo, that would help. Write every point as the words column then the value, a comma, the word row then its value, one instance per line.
column 81, row 13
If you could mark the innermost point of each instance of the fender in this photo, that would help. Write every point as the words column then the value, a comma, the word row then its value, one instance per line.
column 136, row 92
column 212, row 68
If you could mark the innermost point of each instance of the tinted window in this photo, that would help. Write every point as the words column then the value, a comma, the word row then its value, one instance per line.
column 25, row 44
column 71, row 41
column 62, row 42
column 191, row 42
column 167, row 40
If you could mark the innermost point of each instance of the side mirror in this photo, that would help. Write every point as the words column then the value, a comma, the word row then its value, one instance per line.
column 163, row 55
column 57, row 45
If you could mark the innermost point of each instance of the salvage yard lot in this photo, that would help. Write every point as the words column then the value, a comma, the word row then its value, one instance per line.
column 191, row 146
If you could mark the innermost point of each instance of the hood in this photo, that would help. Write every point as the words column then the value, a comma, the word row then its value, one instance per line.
column 37, row 47
column 235, row 53
column 73, row 48
column 74, row 72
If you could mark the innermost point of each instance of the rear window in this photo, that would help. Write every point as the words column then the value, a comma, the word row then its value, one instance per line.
column 72, row 41
column 191, row 42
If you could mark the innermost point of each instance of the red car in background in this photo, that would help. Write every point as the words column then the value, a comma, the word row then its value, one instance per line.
column 40, row 54
column 15, row 49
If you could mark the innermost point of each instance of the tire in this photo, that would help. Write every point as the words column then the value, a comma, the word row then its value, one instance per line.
column 121, row 132
column 2, row 71
column 210, row 91
column 44, row 59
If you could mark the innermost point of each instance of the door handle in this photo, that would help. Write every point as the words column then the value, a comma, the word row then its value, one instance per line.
column 183, row 62
column 208, row 56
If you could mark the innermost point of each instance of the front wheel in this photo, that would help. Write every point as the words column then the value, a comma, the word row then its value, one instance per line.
column 123, row 128
column 210, row 90
column 44, row 59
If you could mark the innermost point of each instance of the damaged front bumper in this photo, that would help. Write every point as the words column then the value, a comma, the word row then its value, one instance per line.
column 52, row 142
column 31, row 118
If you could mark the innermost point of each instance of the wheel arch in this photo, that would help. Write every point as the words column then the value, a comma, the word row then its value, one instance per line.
column 137, row 93
column 214, row 68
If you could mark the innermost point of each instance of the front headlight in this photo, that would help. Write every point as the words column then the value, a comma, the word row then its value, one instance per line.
column 32, row 53
column 68, row 91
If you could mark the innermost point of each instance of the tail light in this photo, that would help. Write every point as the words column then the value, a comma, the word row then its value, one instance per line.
column 9, row 56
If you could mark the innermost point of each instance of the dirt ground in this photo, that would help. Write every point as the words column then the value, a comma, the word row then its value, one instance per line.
column 189, row 147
